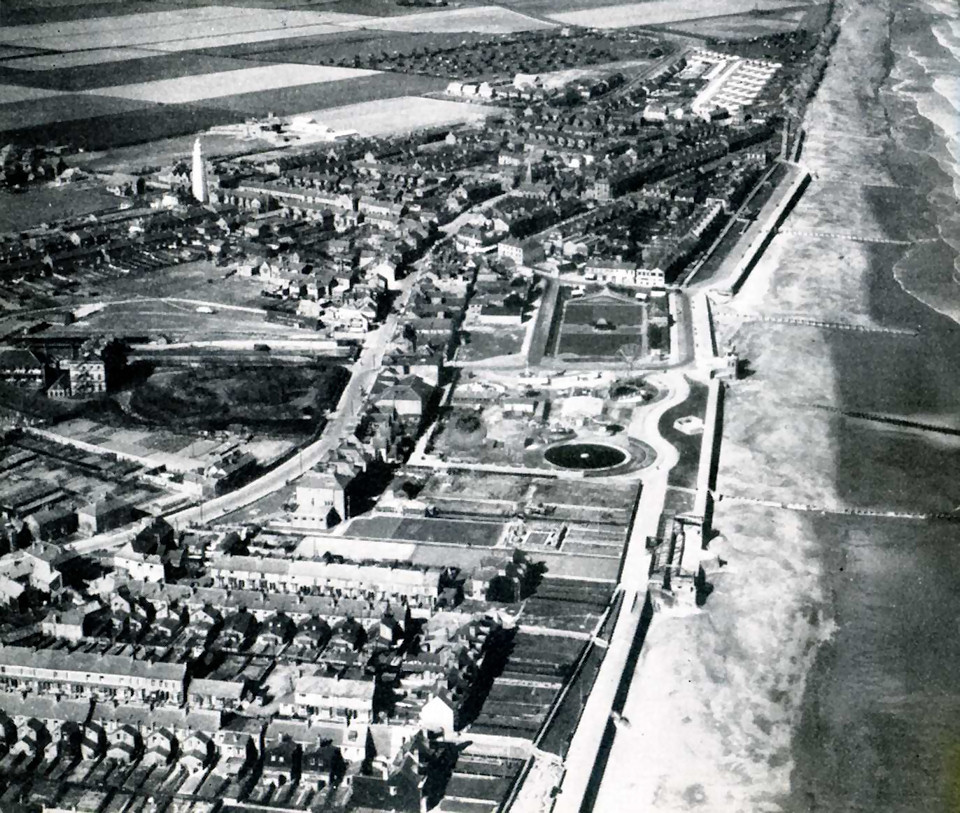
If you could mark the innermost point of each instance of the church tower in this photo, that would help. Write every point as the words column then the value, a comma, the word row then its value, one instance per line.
column 198, row 177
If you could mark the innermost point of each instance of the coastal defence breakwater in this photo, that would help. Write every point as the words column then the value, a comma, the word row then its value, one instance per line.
column 765, row 232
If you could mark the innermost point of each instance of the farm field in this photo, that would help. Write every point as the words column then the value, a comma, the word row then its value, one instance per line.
column 101, row 122
column 330, row 49
column 227, row 83
column 658, row 12
column 11, row 94
column 174, row 29
column 77, row 59
column 53, row 110
column 317, row 99
column 401, row 115
column 482, row 20
column 740, row 26
column 133, row 69
column 218, row 26
column 444, row 531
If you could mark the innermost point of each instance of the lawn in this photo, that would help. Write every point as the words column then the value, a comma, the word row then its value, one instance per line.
column 622, row 316
column 595, row 344
column 444, row 531
column 622, row 327
column 684, row 474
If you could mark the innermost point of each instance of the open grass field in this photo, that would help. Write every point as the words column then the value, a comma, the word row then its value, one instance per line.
column 402, row 115
column 41, row 204
column 658, row 12
column 200, row 87
column 445, row 531
column 741, row 26
column 180, row 321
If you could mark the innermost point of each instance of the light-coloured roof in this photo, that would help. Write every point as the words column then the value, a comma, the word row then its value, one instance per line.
column 331, row 687
column 226, row 689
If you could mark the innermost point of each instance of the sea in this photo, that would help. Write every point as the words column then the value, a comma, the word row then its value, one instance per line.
column 880, row 728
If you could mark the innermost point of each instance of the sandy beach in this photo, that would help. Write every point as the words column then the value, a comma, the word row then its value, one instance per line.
column 821, row 674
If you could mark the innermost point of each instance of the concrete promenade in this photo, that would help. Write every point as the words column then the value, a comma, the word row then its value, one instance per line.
column 585, row 746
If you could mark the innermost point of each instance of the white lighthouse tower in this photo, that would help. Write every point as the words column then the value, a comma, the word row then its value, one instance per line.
column 198, row 177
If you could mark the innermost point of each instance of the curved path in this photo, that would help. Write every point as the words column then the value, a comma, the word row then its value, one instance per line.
column 585, row 746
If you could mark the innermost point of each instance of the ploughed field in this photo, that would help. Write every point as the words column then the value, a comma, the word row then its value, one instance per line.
column 59, row 80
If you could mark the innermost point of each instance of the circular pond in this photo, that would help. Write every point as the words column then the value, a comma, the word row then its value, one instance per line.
column 585, row 456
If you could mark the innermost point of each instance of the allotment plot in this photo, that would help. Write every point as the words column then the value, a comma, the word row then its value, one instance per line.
column 229, row 83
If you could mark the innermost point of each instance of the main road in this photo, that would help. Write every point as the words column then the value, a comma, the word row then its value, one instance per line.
column 339, row 422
